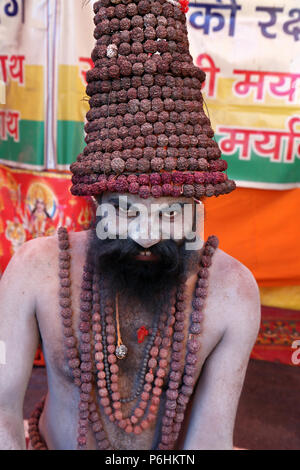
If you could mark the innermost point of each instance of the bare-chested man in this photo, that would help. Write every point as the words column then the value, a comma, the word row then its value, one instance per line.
column 146, row 331
column 29, row 306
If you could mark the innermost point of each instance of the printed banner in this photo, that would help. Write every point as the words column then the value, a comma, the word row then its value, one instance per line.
column 250, row 53
column 75, row 28
column 248, row 49
column 23, row 55
column 34, row 204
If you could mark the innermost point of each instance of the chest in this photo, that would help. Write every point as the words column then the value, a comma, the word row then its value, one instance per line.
column 132, row 317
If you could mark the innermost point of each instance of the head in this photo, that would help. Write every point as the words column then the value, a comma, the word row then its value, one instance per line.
column 144, row 246
column 40, row 207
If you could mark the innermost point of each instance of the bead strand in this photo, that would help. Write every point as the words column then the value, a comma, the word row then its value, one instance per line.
column 170, row 343
column 85, row 355
column 159, row 355
column 36, row 440
column 193, row 343
column 97, row 426
column 143, row 370
column 176, row 369
column 70, row 341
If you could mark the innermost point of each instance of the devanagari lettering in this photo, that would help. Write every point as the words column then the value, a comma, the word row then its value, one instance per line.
column 289, row 79
column 3, row 68
column 244, row 86
column 285, row 84
column 12, row 67
column 270, row 145
column 211, row 72
column 16, row 68
column 272, row 11
column 3, row 135
column 236, row 139
column 9, row 124
column 279, row 146
column 12, row 8
column 12, row 124
column 293, row 148
column 209, row 15
column 292, row 27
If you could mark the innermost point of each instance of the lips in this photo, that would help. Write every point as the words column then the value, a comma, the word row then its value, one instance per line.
column 146, row 255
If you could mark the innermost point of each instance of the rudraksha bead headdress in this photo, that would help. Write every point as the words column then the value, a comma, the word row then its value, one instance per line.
column 147, row 132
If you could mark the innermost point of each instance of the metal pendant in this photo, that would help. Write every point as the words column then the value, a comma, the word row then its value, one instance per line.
column 121, row 351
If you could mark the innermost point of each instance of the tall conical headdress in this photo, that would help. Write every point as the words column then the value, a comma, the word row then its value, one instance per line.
column 147, row 132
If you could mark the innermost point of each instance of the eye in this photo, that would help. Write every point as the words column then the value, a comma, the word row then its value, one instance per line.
column 131, row 213
column 122, row 211
column 170, row 214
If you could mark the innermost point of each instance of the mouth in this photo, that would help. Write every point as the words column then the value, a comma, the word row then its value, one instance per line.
column 146, row 255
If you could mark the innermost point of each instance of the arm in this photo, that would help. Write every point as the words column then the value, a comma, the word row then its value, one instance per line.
column 219, row 387
column 19, row 340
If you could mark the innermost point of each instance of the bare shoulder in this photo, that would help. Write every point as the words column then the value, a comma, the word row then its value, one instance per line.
column 40, row 255
column 238, row 292
column 34, row 253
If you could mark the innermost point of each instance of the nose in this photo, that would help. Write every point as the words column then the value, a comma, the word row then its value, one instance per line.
column 140, row 232
column 145, row 243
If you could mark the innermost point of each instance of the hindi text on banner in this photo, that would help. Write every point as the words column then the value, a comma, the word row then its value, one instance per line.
column 278, row 146
column 212, row 16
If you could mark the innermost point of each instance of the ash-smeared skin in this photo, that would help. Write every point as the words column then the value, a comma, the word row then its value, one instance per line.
column 29, row 289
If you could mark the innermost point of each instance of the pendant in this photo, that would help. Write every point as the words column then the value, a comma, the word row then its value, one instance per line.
column 121, row 351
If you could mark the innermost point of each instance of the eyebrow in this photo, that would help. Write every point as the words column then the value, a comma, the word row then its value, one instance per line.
column 181, row 204
column 115, row 200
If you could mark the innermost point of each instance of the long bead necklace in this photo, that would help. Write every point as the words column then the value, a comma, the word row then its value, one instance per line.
column 145, row 411
column 181, row 378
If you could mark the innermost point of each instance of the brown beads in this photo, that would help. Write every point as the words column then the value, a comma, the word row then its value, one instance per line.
column 142, row 55
column 182, row 374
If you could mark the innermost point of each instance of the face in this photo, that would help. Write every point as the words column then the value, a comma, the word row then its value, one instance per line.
column 40, row 206
column 140, row 242
column 147, row 221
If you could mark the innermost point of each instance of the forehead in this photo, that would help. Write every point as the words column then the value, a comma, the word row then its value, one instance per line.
column 136, row 199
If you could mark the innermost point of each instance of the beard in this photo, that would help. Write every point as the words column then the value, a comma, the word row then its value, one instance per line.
column 148, row 282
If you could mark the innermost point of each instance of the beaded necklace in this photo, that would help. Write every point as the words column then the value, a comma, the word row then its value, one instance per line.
column 97, row 341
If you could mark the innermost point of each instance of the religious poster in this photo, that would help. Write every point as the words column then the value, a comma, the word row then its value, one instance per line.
column 34, row 204
column 23, row 63
column 250, row 53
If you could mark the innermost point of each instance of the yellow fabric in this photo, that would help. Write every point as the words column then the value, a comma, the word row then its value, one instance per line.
column 282, row 297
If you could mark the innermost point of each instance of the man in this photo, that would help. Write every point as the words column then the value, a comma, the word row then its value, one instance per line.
column 146, row 331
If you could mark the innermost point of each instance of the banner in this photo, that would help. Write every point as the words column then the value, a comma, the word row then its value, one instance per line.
column 249, row 50
column 34, row 204
column 23, row 61
column 74, row 44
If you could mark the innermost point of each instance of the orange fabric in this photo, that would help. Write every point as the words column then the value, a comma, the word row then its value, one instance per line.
column 261, row 229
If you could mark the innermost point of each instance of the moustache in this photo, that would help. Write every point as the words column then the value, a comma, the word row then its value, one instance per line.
column 121, row 251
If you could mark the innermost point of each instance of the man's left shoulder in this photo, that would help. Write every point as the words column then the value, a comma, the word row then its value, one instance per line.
column 238, row 289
